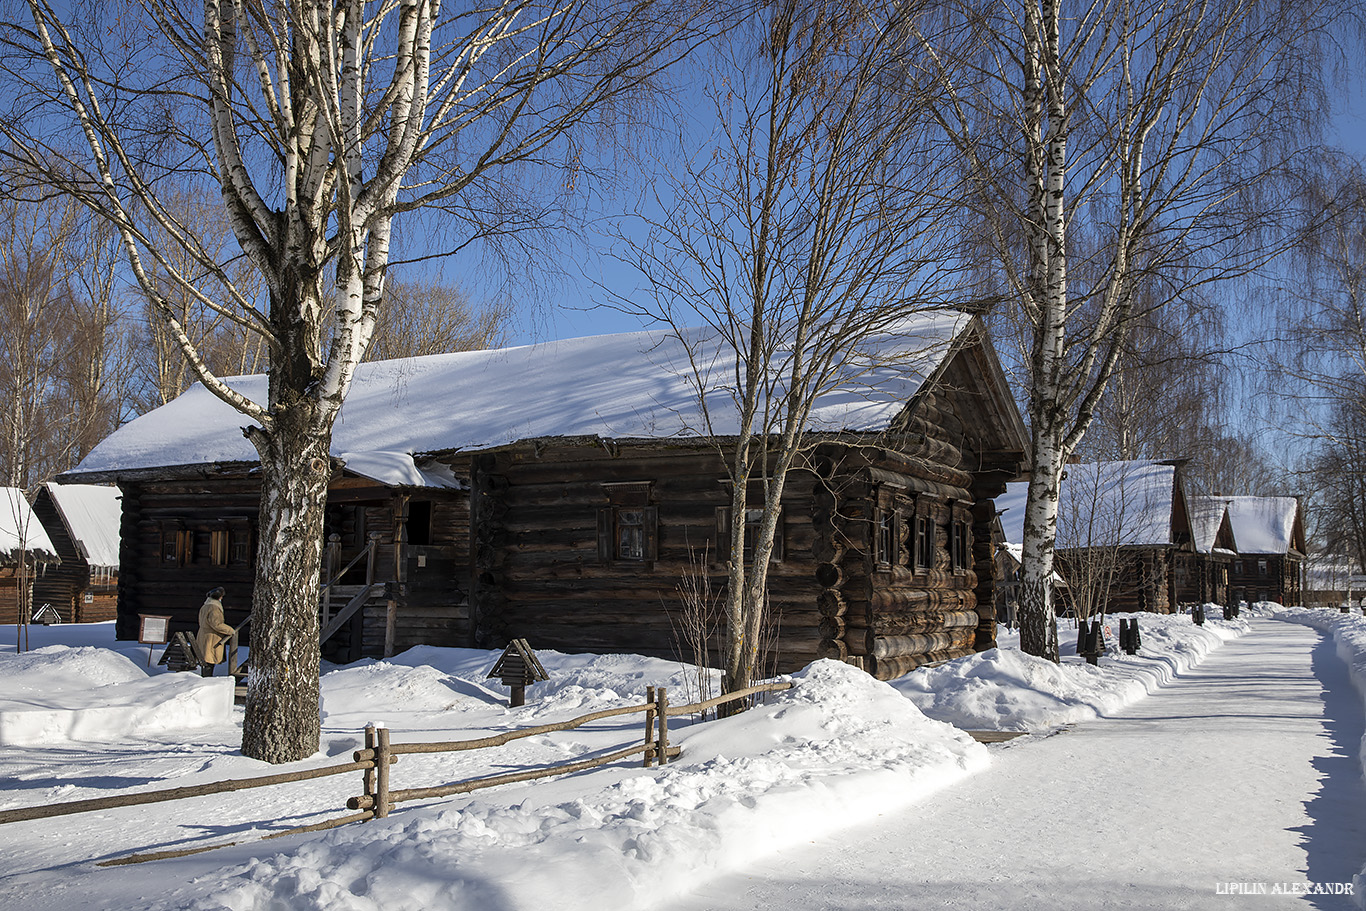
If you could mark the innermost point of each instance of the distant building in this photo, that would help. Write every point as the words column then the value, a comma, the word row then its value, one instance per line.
column 26, row 553
column 82, row 521
column 1123, row 531
column 1269, row 565
column 1202, row 574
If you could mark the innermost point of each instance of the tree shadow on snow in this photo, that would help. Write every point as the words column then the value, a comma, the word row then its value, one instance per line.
column 1336, row 839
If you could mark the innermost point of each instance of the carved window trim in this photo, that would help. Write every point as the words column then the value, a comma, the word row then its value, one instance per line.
column 628, row 530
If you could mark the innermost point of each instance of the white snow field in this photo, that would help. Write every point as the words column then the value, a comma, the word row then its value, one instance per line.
column 841, row 793
column 1237, row 786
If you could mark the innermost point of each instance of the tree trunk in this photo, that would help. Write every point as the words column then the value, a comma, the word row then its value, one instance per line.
column 282, row 717
column 1038, row 620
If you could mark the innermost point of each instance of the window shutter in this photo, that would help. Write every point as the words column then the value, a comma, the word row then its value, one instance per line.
column 606, row 544
column 778, row 536
column 650, row 516
column 722, row 533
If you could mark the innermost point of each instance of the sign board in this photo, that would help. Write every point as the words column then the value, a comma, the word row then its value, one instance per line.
column 154, row 629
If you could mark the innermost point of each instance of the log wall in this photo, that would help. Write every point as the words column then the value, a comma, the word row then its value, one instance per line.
column 882, row 612
column 540, row 574
column 436, row 590
column 1280, row 582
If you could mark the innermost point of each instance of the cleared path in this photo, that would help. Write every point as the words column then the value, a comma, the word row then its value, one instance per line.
column 1243, row 771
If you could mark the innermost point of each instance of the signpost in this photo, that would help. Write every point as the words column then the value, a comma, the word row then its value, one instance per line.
column 153, row 629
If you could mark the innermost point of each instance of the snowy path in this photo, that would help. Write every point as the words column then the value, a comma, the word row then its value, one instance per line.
column 1241, row 771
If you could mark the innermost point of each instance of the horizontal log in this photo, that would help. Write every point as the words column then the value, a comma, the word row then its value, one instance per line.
column 913, row 644
column 900, row 665
column 831, row 603
column 829, row 575
column 902, row 624
column 833, row 648
column 903, row 578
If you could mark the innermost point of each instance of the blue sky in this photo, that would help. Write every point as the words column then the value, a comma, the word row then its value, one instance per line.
column 570, row 305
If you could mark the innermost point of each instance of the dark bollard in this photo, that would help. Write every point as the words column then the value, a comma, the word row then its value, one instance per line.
column 1128, row 636
column 1236, row 609
column 1228, row 612
column 1198, row 614
column 1094, row 642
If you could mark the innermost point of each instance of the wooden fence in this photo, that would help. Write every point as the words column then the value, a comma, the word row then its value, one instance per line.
column 378, row 797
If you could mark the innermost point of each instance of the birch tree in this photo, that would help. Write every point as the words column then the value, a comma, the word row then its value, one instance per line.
column 1126, row 155
column 1319, row 354
column 808, row 225
column 57, row 334
column 317, row 126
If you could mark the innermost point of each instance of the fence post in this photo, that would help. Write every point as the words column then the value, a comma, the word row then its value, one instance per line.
column 662, row 746
column 368, row 786
column 649, row 726
column 382, row 760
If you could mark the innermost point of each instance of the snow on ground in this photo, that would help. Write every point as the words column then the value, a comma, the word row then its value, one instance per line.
column 58, row 693
column 837, row 749
column 1349, row 634
column 1007, row 690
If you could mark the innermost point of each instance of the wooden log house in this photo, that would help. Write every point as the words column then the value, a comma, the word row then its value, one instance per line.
column 1269, row 565
column 82, row 521
column 26, row 553
column 562, row 492
column 1202, row 574
column 1122, row 528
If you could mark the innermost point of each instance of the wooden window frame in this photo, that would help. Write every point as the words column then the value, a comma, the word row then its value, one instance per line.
column 241, row 549
column 923, row 541
column 960, row 546
column 218, row 547
column 177, row 544
column 753, row 519
column 886, row 537
column 630, row 500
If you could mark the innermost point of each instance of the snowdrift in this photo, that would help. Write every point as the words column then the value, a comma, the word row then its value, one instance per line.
column 838, row 748
column 1007, row 690
column 57, row 694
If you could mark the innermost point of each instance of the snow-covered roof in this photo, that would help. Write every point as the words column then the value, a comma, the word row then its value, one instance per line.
column 1207, row 514
column 1264, row 525
column 636, row 385
column 1103, row 504
column 91, row 513
column 21, row 530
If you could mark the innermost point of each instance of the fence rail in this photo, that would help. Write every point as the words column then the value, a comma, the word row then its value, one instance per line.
column 374, row 761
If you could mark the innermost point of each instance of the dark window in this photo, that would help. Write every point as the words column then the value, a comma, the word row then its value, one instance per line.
column 239, row 543
column 628, row 534
column 1238, row 566
column 177, row 546
column 753, row 522
column 960, row 546
column 420, row 522
column 1261, row 567
column 887, row 544
column 924, row 542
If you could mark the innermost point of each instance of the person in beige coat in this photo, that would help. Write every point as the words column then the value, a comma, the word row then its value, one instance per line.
column 213, row 631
